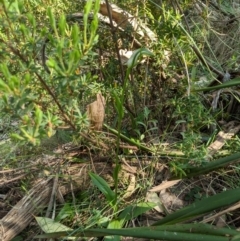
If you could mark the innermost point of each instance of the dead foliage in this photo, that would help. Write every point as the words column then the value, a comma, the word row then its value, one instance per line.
column 96, row 112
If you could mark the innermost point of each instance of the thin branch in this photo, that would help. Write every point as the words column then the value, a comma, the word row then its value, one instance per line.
column 115, row 39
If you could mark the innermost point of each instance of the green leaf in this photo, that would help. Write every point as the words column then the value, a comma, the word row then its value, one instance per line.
column 38, row 116
column 65, row 211
column 115, row 174
column 118, row 105
column 227, row 84
column 75, row 35
column 87, row 7
column 5, row 71
column 96, row 8
column 31, row 19
column 49, row 226
column 4, row 87
column 213, row 165
column 17, row 137
column 202, row 207
column 62, row 25
column 93, row 28
column 133, row 61
column 133, row 211
column 104, row 188
column 52, row 19
column 179, row 232
column 115, row 224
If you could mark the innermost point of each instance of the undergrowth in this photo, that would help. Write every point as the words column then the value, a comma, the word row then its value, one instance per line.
column 166, row 103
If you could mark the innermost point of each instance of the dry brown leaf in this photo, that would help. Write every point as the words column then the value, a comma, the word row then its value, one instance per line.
column 96, row 112
column 170, row 201
column 221, row 221
column 131, row 187
column 221, row 138
column 164, row 185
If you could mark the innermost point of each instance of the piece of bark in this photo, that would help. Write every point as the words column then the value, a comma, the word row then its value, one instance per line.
column 37, row 199
column 96, row 112
column 22, row 213
column 126, row 20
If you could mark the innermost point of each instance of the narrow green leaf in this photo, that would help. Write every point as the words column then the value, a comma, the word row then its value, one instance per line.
column 17, row 137
column 4, row 87
column 183, row 232
column 201, row 207
column 5, row 71
column 52, row 19
column 38, row 116
column 118, row 105
column 62, row 25
column 93, row 28
column 230, row 83
column 96, row 8
column 133, row 61
column 75, row 35
column 31, row 19
column 27, row 78
column 213, row 165
column 115, row 174
column 87, row 7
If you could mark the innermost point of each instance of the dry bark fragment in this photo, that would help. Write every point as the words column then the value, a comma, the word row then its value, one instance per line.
column 96, row 112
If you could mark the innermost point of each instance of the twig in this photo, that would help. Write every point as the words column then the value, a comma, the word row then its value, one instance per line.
column 53, row 194
column 115, row 39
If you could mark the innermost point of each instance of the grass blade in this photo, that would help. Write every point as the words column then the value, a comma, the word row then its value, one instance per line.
column 201, row 207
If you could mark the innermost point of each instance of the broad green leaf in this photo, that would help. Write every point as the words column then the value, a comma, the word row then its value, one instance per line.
column 133, row 211
column 49, row 226
column 51, row 63
column 13, row 6
column 103, row 187
column 115, row 224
